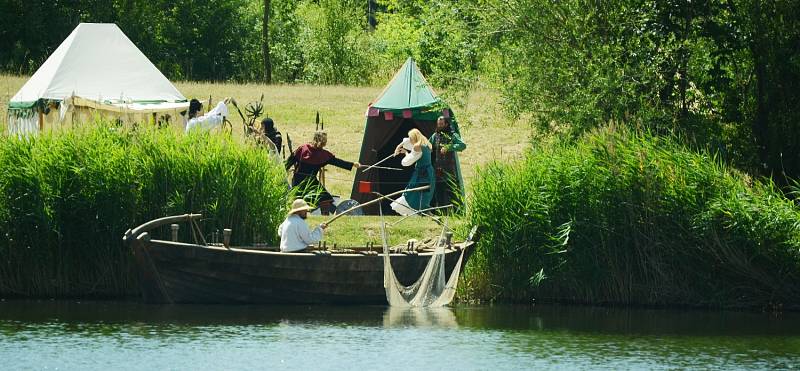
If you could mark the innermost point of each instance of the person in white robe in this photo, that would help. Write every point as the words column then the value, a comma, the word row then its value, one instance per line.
column 212, row 119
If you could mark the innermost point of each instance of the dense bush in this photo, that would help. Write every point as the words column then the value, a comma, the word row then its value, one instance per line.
column 725, row 75
column 66, row 200
column 632, row 219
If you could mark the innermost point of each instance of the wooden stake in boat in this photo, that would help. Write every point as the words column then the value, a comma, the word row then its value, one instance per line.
column 376, row 200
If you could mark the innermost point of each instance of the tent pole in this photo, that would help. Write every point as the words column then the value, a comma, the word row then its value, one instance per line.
column 41, row 120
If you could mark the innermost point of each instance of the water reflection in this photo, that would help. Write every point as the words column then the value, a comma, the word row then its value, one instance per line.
column 442, row 317
column 618, row 321
column 630, row 321
column 78, row 335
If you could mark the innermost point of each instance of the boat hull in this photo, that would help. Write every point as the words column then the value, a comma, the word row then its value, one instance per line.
column 174, row 272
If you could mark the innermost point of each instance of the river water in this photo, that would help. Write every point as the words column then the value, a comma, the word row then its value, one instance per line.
column 69, row 335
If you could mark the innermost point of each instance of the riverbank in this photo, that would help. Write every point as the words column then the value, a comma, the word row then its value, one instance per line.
column 66, row 199
column 632, row 219
column 613, row 217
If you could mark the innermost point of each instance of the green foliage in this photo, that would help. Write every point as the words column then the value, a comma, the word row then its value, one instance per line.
column 335, row 43
column 325, row 41
column 67, row 198
column 632, row 219
column 395, row 38
column 439, row 35
column 31, row 30
column 723, row 75
column 186, row 39
column 286, row 48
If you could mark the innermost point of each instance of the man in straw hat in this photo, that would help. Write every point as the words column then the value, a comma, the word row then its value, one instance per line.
column 294, row 233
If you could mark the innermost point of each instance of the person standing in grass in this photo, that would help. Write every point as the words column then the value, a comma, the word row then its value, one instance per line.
column 294, row 233
column 269, row 132
column 446, row 142
column 417, row 151
column 210, row 120
column 307, row 160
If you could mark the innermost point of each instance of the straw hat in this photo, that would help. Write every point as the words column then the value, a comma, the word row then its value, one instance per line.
column 299, row 205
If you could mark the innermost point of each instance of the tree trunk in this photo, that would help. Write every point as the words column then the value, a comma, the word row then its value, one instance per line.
column 265, row 44
column 761, row 120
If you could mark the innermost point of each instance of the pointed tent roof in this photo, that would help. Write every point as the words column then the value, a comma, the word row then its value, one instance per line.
column 98, row 62
column 408, row 89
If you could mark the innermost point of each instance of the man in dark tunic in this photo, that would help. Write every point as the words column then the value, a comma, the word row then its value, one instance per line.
column 446, row 142
column 308, row 159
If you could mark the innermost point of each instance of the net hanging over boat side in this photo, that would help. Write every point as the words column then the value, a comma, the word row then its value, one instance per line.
column 431, row 289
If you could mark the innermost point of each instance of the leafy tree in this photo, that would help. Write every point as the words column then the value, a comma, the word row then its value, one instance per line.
column 336, row 46
column 265, row 43
column 286, row 52
column 722, row 74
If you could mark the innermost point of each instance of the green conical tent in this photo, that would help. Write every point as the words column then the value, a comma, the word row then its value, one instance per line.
column 407, row 102
column 408, row 89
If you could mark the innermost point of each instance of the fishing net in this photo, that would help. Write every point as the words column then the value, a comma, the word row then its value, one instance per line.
column 431, row 289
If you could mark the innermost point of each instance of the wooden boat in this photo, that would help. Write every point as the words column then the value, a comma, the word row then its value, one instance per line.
column 176, row 272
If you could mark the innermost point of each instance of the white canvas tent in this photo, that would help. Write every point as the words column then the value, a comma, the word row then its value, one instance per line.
column 96, row 70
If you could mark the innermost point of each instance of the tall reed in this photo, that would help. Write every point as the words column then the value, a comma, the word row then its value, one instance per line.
column 632, row 219
column 66, row 199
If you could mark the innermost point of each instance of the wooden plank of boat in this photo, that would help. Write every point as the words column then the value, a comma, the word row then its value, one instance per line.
column 175, row 272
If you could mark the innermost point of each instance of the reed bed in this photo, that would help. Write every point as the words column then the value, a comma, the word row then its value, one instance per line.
column 66, row 198
column 624, row 218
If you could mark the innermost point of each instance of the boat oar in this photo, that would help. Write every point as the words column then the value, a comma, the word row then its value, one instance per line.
column 378, row 163
column 376, row 200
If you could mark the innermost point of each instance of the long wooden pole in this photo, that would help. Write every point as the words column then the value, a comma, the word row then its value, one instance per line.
column 421, row 212
column 378, row 163
column 376, row 200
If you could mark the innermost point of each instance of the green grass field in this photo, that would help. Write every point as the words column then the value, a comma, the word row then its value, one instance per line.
column 488, row 134
column 357, row 231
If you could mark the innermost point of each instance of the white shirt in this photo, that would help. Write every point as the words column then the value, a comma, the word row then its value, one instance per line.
column 412, row 156
column 210, row 120
column 295, row 234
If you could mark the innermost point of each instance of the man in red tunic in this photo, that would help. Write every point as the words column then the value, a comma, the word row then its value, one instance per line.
column 307, row 160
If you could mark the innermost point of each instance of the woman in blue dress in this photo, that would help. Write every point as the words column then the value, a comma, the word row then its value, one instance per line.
column 417, row 151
